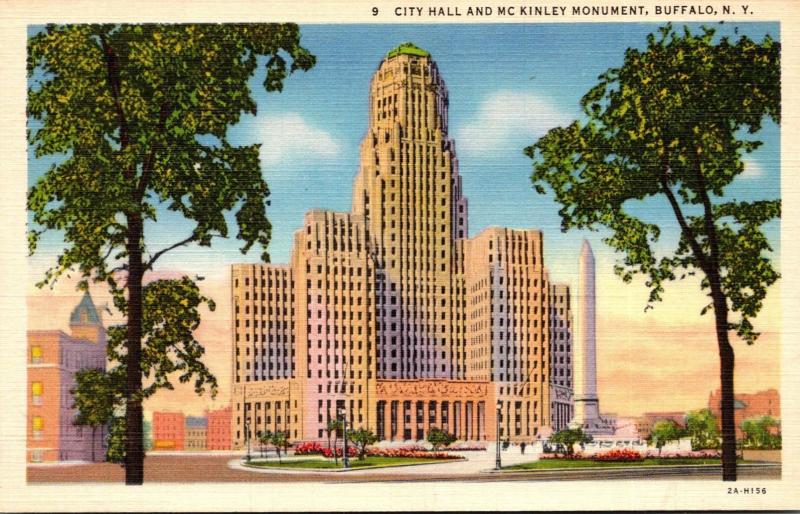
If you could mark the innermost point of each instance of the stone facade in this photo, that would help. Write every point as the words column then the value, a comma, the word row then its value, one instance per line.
column 561, row 393
column 389, row 313
column 195, row 433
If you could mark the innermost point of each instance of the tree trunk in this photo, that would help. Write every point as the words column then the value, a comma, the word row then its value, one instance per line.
column 134, row 448
column 726, row 367
column 93, row 433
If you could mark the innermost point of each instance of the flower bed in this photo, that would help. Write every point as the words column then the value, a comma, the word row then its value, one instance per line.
column 410, row 454
column 622, row 455
column 329, row 453
column 309, row 449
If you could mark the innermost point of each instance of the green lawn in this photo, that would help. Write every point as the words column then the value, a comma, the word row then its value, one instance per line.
column 371, row 462
column 563, row 463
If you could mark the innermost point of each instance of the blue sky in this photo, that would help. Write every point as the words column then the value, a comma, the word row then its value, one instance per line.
column 508, row 84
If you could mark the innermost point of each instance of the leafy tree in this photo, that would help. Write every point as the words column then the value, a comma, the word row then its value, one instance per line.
column 761, row 433
column 264, row 439
column 362, row 438
column 701, row 426
column 670, row 123
column 663, row 432
column 335, row 426
column 438, row 437
column 569, row 437
column 279, row 439
column 139, row 116
column 94, row 399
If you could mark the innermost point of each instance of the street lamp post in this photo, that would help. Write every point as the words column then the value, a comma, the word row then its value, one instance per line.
column 247, row 437
column 497, row 429
column 345, row 459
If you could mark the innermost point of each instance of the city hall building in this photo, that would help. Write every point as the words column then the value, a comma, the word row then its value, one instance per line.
column 390, row 315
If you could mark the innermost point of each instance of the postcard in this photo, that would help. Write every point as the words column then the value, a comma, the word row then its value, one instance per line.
column 435, row 256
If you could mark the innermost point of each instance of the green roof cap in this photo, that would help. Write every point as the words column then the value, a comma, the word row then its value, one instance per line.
column 408, row 48
column 86, row 306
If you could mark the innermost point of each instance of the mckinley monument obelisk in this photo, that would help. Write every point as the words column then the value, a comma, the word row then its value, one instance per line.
column 587, row 409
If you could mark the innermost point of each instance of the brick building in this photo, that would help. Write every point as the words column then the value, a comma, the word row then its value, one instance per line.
column 747, row 406
column 169, row 431
column 218, row 431
column 53, row 359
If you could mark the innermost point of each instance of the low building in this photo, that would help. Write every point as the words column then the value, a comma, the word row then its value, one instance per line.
column 218, row 429
column 195, row 434
column 747, row 406
column 645, row 423
column 53, row 359
column 168, row 431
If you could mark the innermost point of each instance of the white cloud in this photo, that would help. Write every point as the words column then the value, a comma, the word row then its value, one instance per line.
column 288, row 136
column 507, row 118
column 752, row 170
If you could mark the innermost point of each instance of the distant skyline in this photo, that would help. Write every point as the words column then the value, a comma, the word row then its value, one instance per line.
column 508, row 85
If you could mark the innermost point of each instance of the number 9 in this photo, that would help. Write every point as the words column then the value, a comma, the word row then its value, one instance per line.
column 374, row 11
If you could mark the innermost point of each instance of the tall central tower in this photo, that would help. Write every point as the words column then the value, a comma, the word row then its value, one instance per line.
column 409, row 192
column 389, row 316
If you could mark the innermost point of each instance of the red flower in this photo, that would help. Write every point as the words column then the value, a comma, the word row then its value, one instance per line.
column 619, row 455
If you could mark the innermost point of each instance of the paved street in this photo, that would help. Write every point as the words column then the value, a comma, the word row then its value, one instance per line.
column 217, row 468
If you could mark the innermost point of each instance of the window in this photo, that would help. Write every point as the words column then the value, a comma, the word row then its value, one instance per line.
column 36, row 354
column 38, row 427
column 36, row 393
column 36, row 456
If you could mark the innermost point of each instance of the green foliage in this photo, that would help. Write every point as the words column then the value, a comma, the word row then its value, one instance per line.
column 663, row 432
column 335, row 426
column 671, row 121
column 362, row 438
column 279, row 439
column 438, row 438
column 95, row 396
column 762, row 433
column 127, row 104
column 569, row 437
column 115, row 441
column 170, row 318
column 96, row 399
column 701, row 426
column 147, row 435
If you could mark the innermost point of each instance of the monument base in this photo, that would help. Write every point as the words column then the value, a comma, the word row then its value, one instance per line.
column 587, row 418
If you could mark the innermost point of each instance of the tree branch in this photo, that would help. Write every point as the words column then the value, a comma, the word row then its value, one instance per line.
column 685, row 228
column 708, row 217
column 112, row 74
column 159, row 253
column 149, row 163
